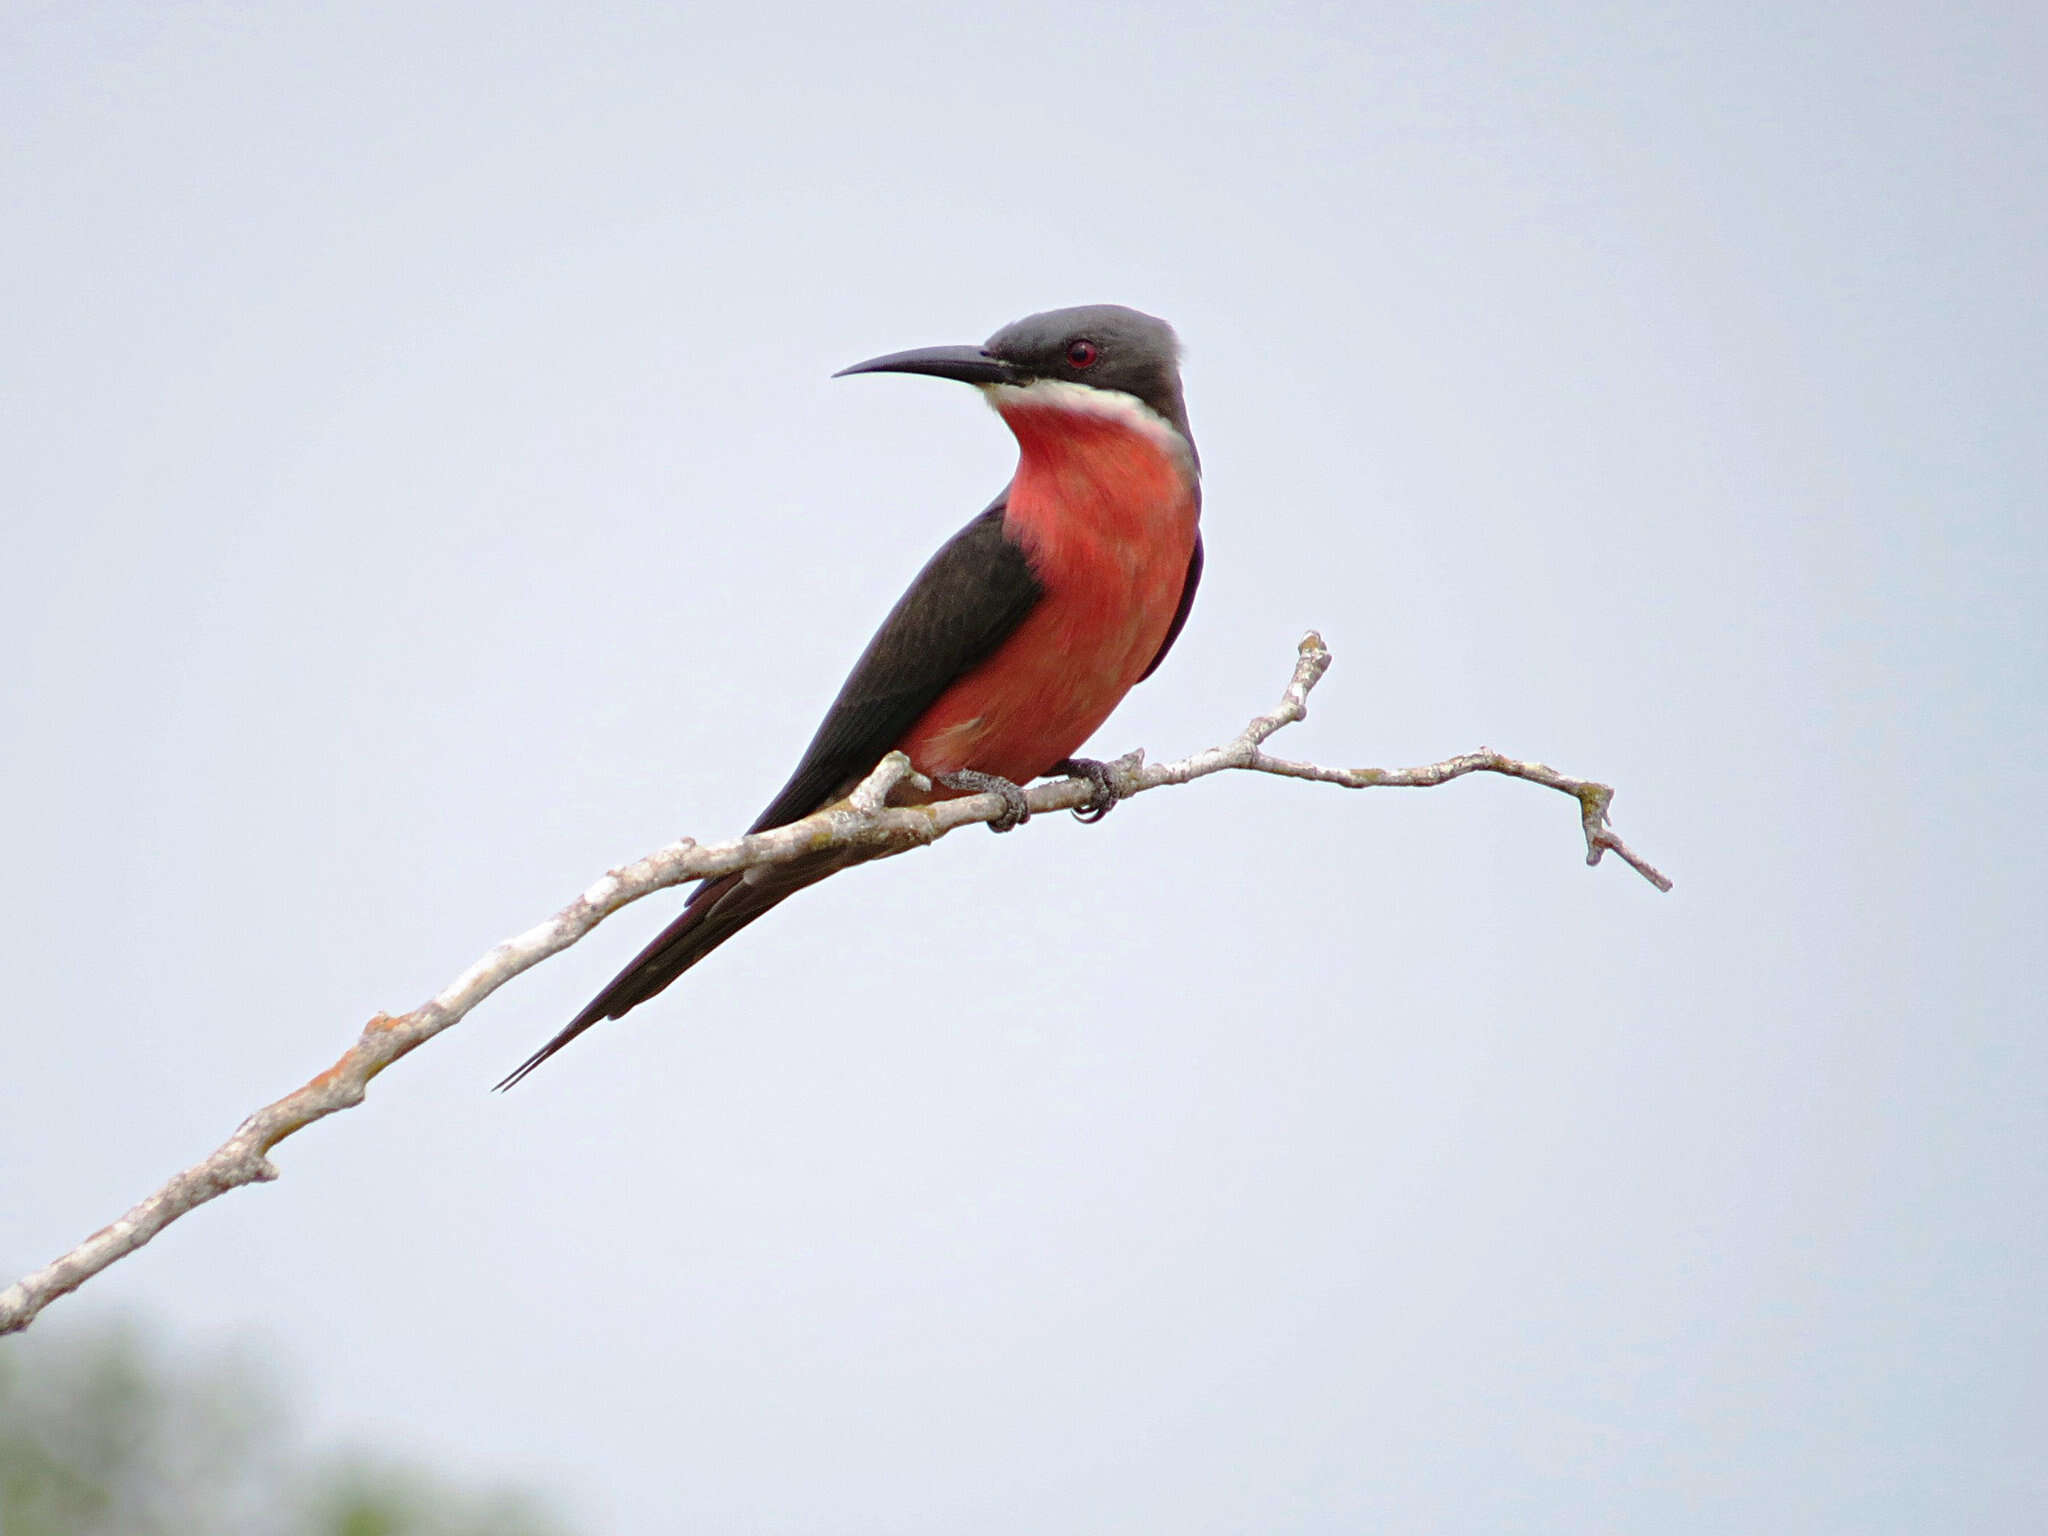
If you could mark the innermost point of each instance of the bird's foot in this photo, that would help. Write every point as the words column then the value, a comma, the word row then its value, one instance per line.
column 1016, row 809
column 1099, row 774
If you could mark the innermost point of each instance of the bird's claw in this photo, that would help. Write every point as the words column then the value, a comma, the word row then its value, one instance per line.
column 1016, row 809
column 1102, row 776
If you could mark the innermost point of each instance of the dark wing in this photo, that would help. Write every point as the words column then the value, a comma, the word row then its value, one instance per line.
column 1180, row 614
column 969, row 599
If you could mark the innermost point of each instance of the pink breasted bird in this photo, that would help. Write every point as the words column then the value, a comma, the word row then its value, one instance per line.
column 1022, row 633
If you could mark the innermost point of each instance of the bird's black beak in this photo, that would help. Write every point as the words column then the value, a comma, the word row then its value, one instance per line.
column 970, row 365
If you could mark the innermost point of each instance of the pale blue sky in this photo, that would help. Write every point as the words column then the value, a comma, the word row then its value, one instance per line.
column 423, row 487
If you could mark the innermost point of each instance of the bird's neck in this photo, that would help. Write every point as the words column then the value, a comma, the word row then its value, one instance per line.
column 1096, row 464
column 1053, row 418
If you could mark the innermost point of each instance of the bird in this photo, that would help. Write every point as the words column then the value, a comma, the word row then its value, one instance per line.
column 1021, row 634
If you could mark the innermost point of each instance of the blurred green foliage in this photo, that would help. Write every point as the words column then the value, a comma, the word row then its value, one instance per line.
column 103, row 1436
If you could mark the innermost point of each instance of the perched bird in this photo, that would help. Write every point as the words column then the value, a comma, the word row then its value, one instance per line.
column 1022, row 633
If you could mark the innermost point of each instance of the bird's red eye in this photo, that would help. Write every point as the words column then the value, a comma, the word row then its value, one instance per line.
column 1081, row 353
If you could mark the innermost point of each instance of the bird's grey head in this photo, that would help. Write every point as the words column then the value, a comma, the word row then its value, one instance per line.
column 1104, row 345
column 1100, row 346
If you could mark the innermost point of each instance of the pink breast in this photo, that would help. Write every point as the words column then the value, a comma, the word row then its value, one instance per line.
column 1106, row 512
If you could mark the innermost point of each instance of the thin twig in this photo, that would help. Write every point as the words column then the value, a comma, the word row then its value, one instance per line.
column 865, row 820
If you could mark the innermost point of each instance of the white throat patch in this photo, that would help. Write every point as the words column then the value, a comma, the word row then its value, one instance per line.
column 1085, row 399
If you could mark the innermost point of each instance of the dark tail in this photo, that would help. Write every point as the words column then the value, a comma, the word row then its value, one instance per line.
column 716, row 911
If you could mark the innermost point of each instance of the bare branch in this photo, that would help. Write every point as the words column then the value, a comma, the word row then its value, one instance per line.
column 865, row 821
